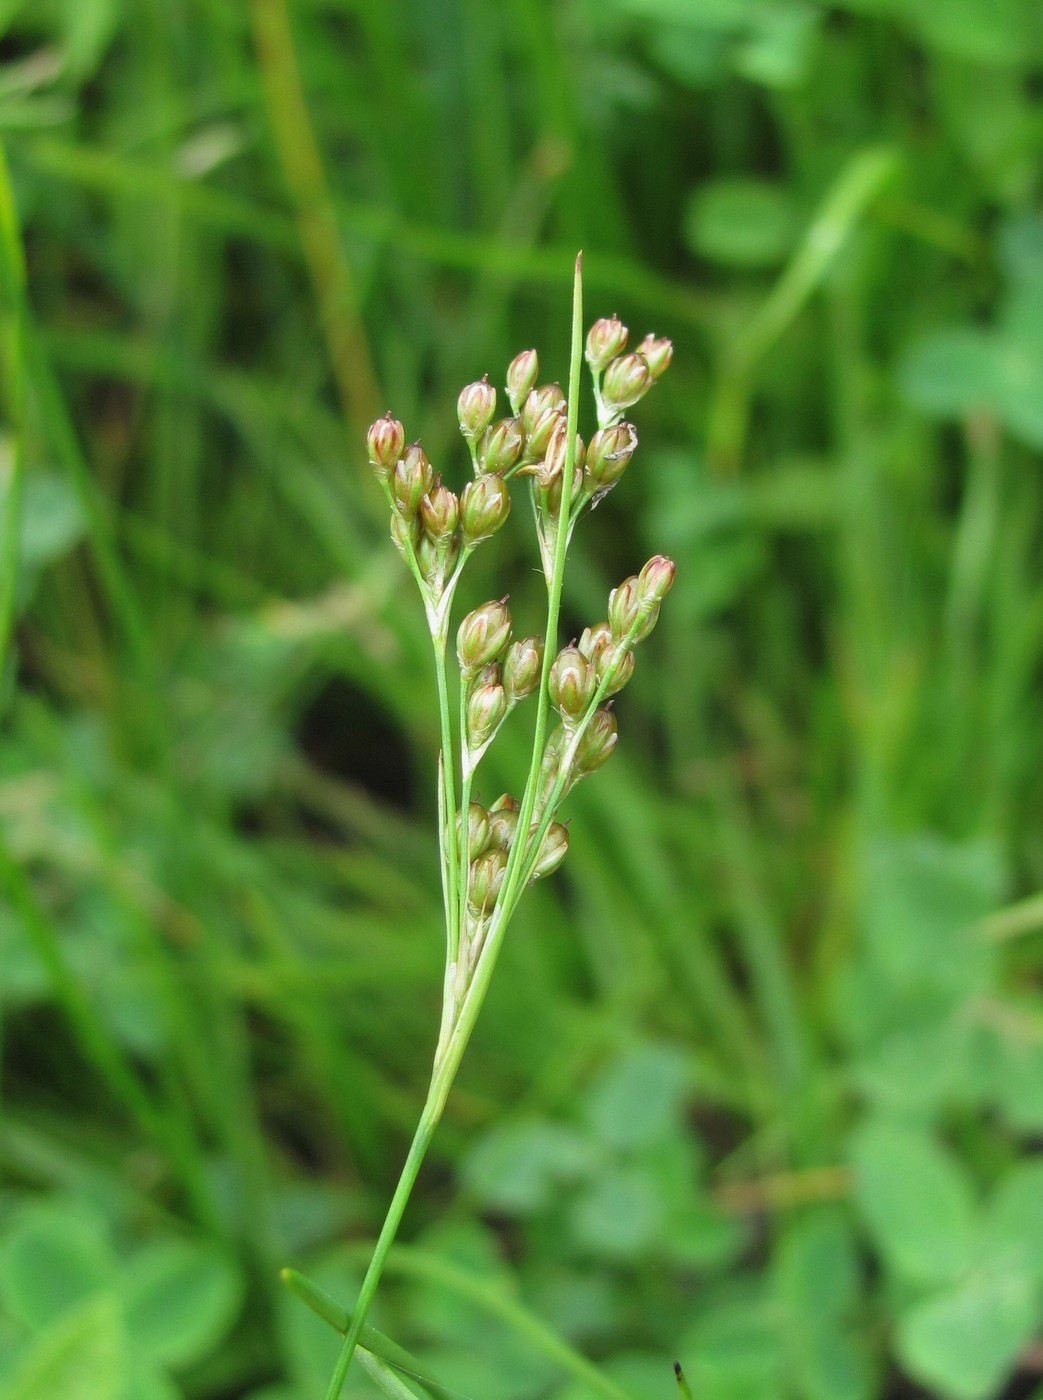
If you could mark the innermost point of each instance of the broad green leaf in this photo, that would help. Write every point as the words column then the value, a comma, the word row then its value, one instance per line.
column 818, row 1285
column 916, row 1199
column 619, row 1216
column 52, row 518
column 1019, row 396
column 780, row 50
column 54, row 1255
column 949, row 373
column 147, row 1381
column 180, row 1299
column 734, row 1351
column 1012, row 1236
column 917, row 1068
column 741, row 222
column 519, row 1166
column 81, row 1356
column 965, row 1342
column 984, row 31
column 637, row 1101
column 923, row 899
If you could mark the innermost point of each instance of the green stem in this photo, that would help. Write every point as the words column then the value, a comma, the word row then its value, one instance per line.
column 448, row 1059
column 417, row 1151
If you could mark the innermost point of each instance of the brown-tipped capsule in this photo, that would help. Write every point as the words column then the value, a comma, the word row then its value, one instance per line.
column 626, row 380
column 411, row 480
column 622, row 607
column 552, row 851
column 502, row 827
column 605, row 339
column 486, row 881
column 483, row 637
column 594, row 640
column 546, row 399
column 477, row 829
column 521, row 668
column 501, row 446
column 521, row 376
column 658, row 352
column 608, row 456
column 543, row 429
column 485, row 504
column 616, row 667
column 386, row 442
column 656, row 579
column 486, row 707
column 572, row 683
column 475, row 408
column 506, row 803
column 599, row 739
column 439, row 512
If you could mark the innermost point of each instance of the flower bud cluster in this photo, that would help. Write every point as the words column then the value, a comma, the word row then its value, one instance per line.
column 491, row 833
column 622, row 379
column 496, row 672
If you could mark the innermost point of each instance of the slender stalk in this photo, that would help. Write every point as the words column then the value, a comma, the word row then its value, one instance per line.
column 451, row 1049
column 432, row 1112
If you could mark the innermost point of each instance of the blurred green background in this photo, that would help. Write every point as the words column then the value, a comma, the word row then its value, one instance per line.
column 760, row 1082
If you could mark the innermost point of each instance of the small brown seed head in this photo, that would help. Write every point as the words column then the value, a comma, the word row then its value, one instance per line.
column 572, row 683
column 485, row 504
column 658, row 352
column 483, row 637
column 521, row 376
column 605, row 339
column 439, row 512
column 412, row 479
column 475, row 408
column 552, row 851
column 521, row 668
column 501, row 446
column 385, row 441
column 626, row 380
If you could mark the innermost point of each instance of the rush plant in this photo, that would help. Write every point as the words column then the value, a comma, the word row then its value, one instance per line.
column 490, row 856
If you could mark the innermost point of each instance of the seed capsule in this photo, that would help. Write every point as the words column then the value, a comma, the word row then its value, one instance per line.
column 486, row 707
column 626, row 380
column 608, row 456
column 616, row 667
column 521, row 376
column 439, row 512
column 411, row 480
column 475, row 408
column 385, row 441
column 503, row 824
column 605, row 339
column 572, row 683
column 599, row 739
column 521, row 668
column 485, row 504
column 501, row 446
column 658, row 353
column 477, row 829
column 552, row 852
column 482, row 637
column 656, row 578
column 595, row 639
column 487, row 874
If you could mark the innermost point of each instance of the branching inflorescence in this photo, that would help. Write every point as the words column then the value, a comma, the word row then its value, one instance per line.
column 489, row 856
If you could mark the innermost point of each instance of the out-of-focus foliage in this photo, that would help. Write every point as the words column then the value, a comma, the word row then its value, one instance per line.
column 761, row 1082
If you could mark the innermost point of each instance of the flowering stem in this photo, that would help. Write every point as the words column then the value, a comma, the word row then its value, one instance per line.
column 452, row 1046
column 515, row 861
